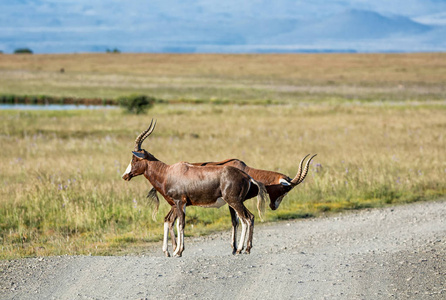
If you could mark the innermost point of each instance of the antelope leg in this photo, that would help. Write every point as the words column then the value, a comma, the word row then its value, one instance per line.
column 181, row 213
column 242, row 236
column 235, row 220
column 165, row 238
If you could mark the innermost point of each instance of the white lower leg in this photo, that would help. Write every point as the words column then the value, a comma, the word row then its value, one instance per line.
column 180, row 239
column 165, row 238
column 242, row 236
column 180, row 233
column 234, row 236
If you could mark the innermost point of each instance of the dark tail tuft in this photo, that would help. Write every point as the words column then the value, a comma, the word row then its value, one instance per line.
column 153, row 197
column 262, row 198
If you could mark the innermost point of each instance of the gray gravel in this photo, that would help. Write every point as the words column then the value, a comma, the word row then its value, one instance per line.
column 391, row 253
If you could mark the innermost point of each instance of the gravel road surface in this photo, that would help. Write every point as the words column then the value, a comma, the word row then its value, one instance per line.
column 392, row 253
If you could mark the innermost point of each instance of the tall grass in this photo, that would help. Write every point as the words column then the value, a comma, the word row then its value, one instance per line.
column 61, row 191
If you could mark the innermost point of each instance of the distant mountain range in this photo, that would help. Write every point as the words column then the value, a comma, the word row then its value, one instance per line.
column 50, row 26
column 360, row 24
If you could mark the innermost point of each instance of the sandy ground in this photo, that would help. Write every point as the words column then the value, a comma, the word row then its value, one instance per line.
column 391, row 253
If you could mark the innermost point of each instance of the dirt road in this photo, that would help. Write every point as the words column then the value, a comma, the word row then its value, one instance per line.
column 390, row 253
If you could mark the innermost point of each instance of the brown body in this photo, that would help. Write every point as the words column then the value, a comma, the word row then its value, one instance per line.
column 183, row 184
column 277, row 186
column 201, row 186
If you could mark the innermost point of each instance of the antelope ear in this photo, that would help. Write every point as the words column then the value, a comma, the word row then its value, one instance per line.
column 138, row 155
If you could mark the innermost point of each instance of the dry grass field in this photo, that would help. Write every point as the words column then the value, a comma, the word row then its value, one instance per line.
column 60, row 185
column 284, row 78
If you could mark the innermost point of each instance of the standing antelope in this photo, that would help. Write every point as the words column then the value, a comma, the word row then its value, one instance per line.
column 277, row 186
column 183, row 184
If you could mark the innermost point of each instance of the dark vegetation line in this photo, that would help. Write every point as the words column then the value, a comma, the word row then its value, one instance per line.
column 45, row 100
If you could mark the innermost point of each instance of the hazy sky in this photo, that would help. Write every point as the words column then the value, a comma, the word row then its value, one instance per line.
column 137, row 25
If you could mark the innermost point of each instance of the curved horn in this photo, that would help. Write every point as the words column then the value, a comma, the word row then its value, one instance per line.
column 143, row 135
column 305, row 172
column 299, row 171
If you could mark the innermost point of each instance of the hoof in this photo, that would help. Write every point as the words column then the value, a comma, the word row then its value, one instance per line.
column 166, row 253
column 178, row 254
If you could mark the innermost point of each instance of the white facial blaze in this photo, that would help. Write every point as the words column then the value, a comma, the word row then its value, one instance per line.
column 284, row 182
column 129, row 168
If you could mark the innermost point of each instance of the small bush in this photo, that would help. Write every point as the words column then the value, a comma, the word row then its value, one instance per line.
column 136, row 104
column 23, row 51
column 116, row 50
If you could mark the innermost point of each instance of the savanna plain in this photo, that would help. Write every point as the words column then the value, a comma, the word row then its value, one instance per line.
column 376, row 121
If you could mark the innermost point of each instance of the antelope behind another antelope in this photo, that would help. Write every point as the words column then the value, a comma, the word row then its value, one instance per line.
column 183, row 184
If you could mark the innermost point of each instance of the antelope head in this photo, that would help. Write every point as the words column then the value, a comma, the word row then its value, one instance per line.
column 137, row 165
column 278, row 191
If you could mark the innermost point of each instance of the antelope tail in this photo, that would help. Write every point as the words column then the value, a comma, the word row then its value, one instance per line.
column 262, row 198
column 153, row 198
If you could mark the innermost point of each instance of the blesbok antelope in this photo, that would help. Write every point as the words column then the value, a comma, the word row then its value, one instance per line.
column 277, row 186
column 183, row 184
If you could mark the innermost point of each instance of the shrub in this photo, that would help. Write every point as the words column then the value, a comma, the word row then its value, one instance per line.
column 23, row 51
column 8, row 99
column 116, row 50
column 136, row 104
